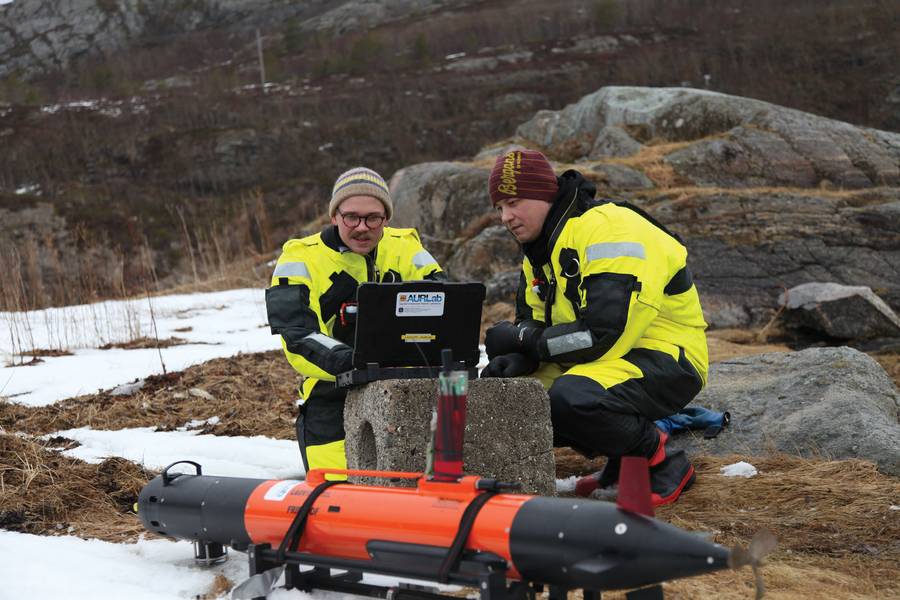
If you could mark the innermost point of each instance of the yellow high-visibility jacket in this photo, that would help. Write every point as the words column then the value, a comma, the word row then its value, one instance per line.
column 605, row 278
column 316, row 277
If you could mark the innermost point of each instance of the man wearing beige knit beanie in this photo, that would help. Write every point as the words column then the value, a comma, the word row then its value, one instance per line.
column 312, row 300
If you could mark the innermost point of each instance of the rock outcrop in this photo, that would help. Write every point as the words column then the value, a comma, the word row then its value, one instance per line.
column 734, row 141
column 837, row 312
column 830, row 402
column 746, row 248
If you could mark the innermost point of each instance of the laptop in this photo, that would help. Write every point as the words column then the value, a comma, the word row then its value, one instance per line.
column 401, row 329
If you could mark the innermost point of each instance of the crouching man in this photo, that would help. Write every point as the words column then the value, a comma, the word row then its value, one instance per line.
column 311, row 303
column 607, row 318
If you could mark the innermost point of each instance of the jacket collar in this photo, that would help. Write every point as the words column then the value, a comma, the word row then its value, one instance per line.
column 574, row 197
column 332, row 239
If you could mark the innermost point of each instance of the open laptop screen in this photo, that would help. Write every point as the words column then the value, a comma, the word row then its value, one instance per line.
column 407, row 324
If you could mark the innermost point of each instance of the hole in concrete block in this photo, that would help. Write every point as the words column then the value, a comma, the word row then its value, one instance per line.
column 368, row 453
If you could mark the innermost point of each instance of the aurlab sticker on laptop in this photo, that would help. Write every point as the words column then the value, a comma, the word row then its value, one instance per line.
column 420, row 304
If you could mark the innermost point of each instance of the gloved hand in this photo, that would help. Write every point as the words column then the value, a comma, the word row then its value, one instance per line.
column 510, row 365
column 343, row 359
column 502, row 338
column 506, row 338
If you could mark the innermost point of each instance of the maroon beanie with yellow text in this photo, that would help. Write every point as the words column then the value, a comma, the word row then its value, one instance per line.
column 522, row 174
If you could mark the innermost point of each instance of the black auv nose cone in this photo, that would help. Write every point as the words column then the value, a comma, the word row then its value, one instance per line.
column 596, row 546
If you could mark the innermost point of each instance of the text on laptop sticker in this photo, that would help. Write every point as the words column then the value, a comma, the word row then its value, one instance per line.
column 418, row 338
column 420, row 304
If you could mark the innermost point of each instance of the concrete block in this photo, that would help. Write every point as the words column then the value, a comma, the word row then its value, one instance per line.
column 508, row 432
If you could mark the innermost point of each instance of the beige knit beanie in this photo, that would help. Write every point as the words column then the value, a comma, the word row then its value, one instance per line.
column 360, row 181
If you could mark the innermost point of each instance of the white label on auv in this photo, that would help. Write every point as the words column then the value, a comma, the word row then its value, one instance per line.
column 279, row 491
column 420, row 304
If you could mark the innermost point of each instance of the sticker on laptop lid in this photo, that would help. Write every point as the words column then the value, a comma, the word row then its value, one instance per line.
column 418, row 338
column 420, row 304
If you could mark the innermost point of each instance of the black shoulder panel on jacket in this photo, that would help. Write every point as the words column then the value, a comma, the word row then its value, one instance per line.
column 287, row 307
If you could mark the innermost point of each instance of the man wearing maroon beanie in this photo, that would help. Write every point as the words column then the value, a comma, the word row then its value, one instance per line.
column 607, row 318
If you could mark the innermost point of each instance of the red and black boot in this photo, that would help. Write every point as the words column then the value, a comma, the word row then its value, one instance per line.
column 605, row 478
column 670, row 473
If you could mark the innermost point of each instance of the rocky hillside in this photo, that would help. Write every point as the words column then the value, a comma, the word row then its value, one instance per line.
column 42, row 36
column 141, row 150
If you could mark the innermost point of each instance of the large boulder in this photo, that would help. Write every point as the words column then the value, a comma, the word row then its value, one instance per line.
column 737, row 140
column 442, row 200
column 831, row 402
column 492, row 251
column 835, row 311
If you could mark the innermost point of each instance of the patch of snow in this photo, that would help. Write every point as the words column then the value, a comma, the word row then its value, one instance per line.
column 199, row 423
column 229, row 456
column 566, row 486
column 32, row 188
column 146, row 570
column 739, row 469
column 81, row 329
column 127, row 389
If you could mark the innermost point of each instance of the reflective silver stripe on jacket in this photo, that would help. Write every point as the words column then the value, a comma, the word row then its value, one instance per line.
column 423, row 259
column 615, row 250
column 323, row 339
column 292, row 269
column 569, row 343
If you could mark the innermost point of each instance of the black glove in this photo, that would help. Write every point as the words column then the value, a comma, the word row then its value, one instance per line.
column 342, row 359
column 510, row 365
column 506, row 338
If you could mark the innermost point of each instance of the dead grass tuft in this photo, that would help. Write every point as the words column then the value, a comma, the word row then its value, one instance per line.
column 890, row 362
column 44, row 492
column 219, row 588
column 45, row 352
column 145, row 342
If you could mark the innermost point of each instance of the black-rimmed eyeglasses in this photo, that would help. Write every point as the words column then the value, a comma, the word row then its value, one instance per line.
column 352, row 220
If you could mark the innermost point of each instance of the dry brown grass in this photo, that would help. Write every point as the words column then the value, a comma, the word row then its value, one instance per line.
column 890, row 362
column 145, row 342
column 253, row 394
column 838, row 537
column 729, row 343
column 651, row 160
column 44, row 492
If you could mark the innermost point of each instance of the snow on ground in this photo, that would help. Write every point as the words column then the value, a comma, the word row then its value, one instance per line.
column 65, row 567
column 70, row 568
column 232, row 456
column 739, row 469
column 215, row 325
